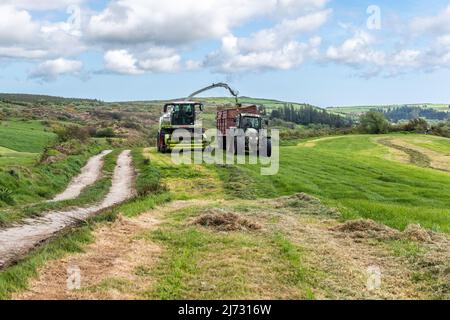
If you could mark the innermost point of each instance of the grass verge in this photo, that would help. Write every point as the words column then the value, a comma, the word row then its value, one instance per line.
column 16, row 278
column 91, row 194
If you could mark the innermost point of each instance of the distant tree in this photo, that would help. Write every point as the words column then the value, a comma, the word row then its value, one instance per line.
column 409, row 113
column 306, row 115
column 374, row 122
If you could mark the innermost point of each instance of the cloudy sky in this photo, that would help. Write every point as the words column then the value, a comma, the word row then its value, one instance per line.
column 324, row 52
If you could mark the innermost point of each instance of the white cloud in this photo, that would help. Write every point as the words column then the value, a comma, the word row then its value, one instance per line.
column 357, row 51
column 288, row 29
column 231, row 60
column 429, row 49
column 160, row 60
column 49, row 70
column 269, row 49
column 156, row 59
column 43, row 5
column 173, row 22
column 438, row 24
column 16, row 26
column 140, row 36
column 25, row 38
column 151, row 36
column 120, row 61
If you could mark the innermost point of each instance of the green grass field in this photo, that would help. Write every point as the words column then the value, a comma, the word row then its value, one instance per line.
column 21, row 142
column 363, row 109
column 23, row 179
column 24, row 136
column 353, row 174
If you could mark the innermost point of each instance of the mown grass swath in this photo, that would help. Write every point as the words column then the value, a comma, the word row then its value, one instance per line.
column 352, row 174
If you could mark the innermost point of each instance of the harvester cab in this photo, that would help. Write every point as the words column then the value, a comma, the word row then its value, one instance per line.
column 182, row 114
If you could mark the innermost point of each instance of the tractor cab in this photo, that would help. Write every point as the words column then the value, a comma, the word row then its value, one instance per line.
column 249, row 121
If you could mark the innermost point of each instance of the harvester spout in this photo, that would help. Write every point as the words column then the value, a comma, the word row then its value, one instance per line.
column 234, row 93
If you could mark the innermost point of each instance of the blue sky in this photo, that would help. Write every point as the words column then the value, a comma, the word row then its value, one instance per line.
column 315, row 51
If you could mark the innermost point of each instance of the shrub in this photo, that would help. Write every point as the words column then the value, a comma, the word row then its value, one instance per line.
column 72, row 133
column 6, row 196
column 417, row 125
column 374, row 122
column 105, row 133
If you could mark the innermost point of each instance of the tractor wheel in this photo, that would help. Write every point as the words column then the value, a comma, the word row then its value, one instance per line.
column 268, row 144
column 269, row 148
column 158, row 142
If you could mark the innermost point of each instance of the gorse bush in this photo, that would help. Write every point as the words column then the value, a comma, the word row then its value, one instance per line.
column 72, row 133
column 6, row 196
column 105, row 133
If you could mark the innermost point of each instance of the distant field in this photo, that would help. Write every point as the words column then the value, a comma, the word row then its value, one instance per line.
column 24, row 136
column 21, row 145
column 362, row 109
column 267, row 103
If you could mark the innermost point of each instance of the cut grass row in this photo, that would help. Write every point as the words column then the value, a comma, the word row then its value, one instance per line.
column 352, row 174
column 201, row 263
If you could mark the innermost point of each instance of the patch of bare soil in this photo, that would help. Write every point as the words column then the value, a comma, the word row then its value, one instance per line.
column 110, row 265
column 89, row 174
column 313, row 143
column 225, row 221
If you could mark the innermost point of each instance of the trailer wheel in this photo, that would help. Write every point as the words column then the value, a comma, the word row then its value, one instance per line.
column 224, row 143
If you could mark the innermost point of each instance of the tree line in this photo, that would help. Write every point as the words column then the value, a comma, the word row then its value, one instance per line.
column 409, row 113
column 375, row 122
column 307, row 115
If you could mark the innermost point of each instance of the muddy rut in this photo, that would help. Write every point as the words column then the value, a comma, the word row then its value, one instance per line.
column 89, row 174
column 17, row 241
